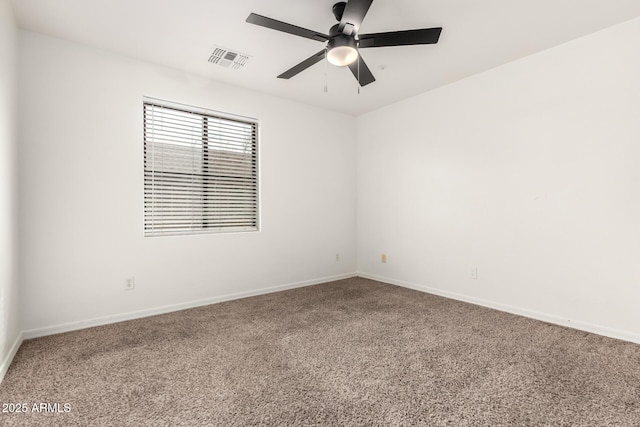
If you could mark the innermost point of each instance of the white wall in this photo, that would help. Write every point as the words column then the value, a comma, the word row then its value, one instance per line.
column 82, row 191
column 529, row 172
column 10, row 328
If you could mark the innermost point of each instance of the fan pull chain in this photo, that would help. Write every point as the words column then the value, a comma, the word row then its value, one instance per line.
column 326, row 86
column 358, row 59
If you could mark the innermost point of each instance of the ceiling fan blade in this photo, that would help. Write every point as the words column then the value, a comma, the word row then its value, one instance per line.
column 263, row 21
column 400, row 38
column 314, row 59
column 366, row 76
column 354, row 13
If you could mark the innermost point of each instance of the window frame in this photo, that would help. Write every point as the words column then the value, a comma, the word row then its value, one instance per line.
column 206, row 115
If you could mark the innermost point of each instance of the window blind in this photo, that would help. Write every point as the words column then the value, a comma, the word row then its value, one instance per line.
column 200, row 172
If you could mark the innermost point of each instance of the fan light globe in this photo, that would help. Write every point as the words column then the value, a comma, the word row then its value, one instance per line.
column 341, row 50
column 342, row 55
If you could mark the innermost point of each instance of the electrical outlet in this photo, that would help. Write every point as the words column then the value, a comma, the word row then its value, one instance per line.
column 130, row 284
column 383, row 258
column 474, row 273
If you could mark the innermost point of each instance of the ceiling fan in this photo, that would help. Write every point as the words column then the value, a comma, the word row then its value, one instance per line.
column 343, row 42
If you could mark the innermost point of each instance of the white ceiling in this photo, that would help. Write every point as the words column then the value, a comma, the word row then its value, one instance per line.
column 478, row 35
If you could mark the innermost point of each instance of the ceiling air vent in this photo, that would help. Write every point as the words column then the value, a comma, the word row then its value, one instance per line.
column 228, row 59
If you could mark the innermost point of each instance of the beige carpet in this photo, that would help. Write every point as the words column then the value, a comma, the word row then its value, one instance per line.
column 352, row 352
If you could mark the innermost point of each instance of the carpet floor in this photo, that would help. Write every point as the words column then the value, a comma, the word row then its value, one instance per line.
column 351, row 352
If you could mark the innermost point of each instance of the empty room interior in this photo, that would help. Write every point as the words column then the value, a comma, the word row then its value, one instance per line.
column 318, row 213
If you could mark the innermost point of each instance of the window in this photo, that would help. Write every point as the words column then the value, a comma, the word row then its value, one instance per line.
column 200, row 171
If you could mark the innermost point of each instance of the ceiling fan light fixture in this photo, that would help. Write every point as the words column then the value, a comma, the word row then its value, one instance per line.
column 341, row 51
column 344, row 40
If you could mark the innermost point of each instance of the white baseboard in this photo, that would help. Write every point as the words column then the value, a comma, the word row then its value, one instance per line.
column 4, row 366
column 82, row 324
column 545, row 317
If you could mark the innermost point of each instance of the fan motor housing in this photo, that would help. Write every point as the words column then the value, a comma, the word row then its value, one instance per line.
column 334, row 31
